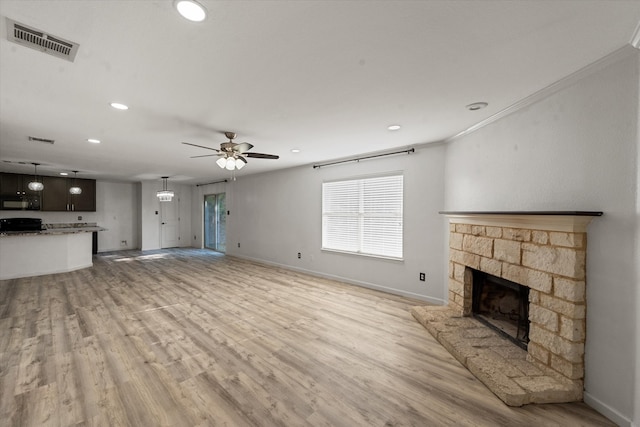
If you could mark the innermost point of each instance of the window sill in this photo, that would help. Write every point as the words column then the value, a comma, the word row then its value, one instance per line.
column 360, row 254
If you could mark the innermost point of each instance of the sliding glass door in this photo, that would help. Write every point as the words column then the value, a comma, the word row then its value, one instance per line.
column 215, row 221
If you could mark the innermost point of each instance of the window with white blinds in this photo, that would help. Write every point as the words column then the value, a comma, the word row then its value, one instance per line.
column 363, row 216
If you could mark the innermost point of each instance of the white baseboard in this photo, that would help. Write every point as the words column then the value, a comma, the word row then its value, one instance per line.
column 608, row 411
column 368, row 285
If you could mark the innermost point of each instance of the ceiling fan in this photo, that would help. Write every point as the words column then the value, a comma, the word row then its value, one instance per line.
column 232, row 155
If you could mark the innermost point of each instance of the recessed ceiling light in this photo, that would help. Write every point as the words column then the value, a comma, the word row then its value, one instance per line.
column 93, row 141
column 64, row 173
column 191, row 10
column 476, row 106
column 119, row 106
column 295, row 150
column 393, row 127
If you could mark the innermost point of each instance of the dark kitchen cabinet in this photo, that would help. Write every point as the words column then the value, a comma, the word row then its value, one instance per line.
column 15, row 193
column 56, row 196
column 10, row 184
column 85, row 202
column 15, row 184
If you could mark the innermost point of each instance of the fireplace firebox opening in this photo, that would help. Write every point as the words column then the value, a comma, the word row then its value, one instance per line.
column 502, row 305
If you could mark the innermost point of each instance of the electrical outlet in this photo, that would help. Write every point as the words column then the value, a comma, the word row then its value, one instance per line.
column 422, row 277
column 79, row 217
column 299, row 255
column 123, row 243
column 238, row 244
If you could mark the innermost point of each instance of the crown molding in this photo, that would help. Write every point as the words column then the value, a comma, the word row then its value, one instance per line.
column 561, row 84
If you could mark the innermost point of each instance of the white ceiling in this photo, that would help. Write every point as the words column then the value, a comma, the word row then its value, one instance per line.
column 326, row 77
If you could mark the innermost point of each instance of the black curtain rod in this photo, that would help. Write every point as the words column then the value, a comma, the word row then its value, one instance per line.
column 409, row 151
column 209, row 183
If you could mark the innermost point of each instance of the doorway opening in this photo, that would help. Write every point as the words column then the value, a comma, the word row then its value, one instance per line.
column 215, row 222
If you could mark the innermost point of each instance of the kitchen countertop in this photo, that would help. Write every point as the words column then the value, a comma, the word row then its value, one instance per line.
column 53, row 229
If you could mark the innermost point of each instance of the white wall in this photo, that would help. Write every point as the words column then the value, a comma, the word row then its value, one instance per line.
column 276, row 215
column 574, row 150
column 150, row 213
column 117, row 211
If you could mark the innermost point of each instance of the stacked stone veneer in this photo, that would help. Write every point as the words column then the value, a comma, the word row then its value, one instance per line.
column 551, row 263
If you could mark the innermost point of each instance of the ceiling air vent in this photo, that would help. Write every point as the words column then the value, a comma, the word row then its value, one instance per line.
column 39, row 40
column 45, row 140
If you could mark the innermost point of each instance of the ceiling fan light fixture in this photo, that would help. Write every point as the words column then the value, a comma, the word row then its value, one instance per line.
column 191, row 10
column 232, row 156
column 165, row 195
column 231, row 163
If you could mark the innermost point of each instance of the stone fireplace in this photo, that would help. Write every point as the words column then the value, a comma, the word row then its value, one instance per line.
column 545, row 252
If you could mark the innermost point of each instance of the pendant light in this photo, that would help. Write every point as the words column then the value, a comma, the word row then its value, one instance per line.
column 164, row 195
column 35, row 185
column 75, row 189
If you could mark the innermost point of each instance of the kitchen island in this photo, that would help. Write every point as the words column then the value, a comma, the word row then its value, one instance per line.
column 59, row 248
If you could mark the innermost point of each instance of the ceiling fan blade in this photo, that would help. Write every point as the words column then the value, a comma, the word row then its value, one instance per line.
column 242, row 147
column 201, row 146
column 242, row 159
column 262, row 156
column 207, row 155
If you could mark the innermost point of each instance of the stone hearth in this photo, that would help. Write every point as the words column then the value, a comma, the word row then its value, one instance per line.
column 544, row 251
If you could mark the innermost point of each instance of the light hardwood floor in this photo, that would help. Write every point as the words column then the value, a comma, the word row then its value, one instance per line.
column 193, row 338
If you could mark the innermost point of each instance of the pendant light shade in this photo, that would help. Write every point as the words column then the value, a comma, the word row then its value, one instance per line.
column 165, row 195
column 35, row 185
column 75, row 189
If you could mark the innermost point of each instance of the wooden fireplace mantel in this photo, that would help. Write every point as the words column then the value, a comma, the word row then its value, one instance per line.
column 563, row 221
